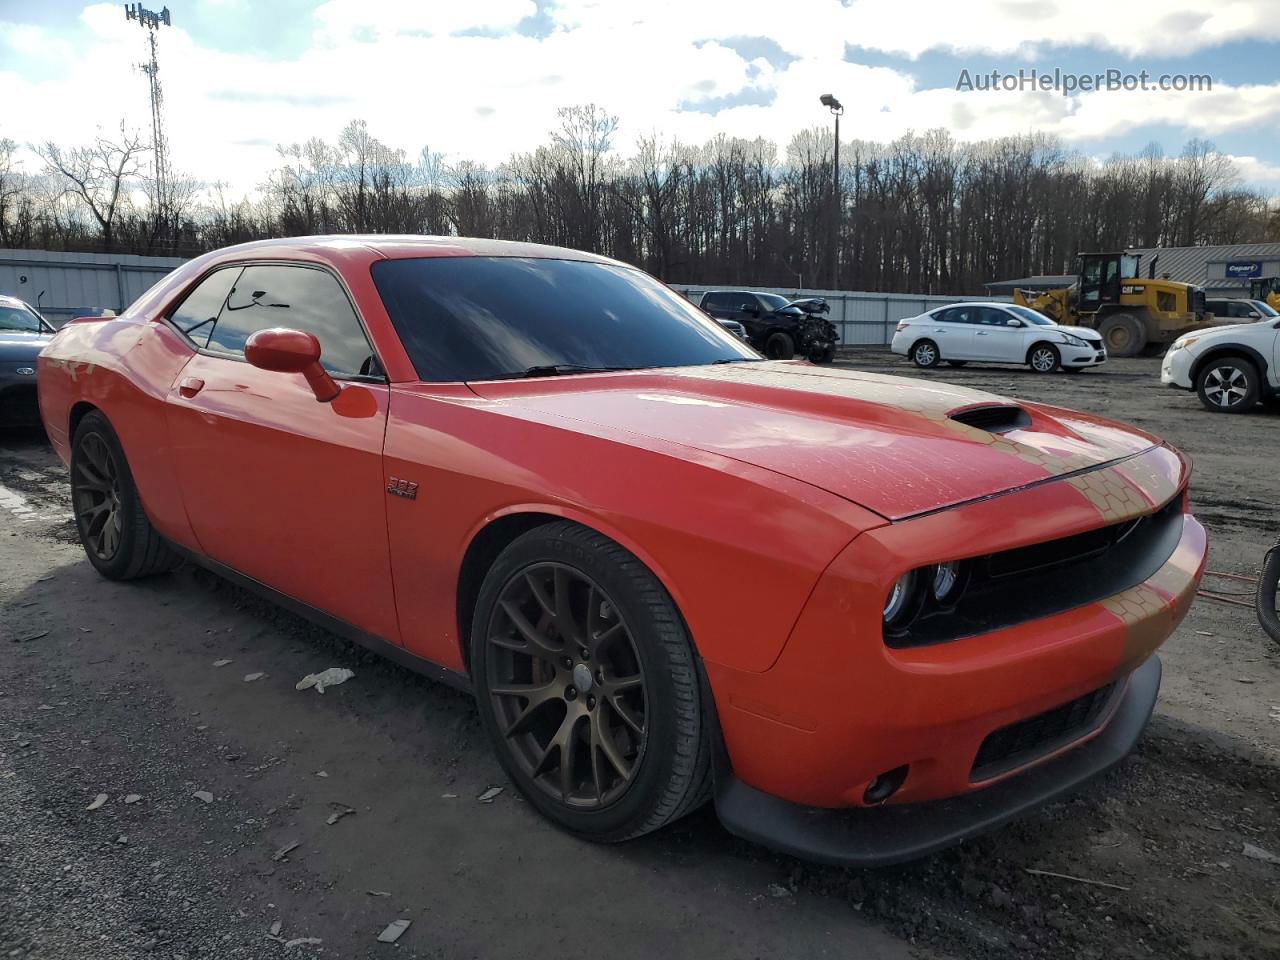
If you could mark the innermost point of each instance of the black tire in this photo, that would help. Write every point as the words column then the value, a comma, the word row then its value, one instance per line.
column 1228, row 385
column 670, row 774
column 1124, row 334
column 1267, row 600
column 825, row 355
column 956, row 363
column 1044, row 358
column 925, row 354
column 779, row 345
column 117, row 537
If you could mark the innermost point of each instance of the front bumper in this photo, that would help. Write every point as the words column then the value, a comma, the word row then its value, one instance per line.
column 1175, row 369
column 875, row 837
column 1073, row 356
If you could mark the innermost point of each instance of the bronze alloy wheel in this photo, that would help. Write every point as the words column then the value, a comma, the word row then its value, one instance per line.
column 95, row 489
column 566, row 685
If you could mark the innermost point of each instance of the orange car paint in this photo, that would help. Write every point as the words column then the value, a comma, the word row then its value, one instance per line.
column 776, row 502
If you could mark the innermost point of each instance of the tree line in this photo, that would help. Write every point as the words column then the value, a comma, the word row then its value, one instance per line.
column 924, row 213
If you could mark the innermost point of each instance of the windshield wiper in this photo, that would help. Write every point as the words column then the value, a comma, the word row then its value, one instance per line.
column 737, row 360
column 560, row 369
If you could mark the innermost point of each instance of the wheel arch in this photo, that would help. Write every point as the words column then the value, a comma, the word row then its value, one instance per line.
column 77, row 413
column 1231, row 350
column 499, row 530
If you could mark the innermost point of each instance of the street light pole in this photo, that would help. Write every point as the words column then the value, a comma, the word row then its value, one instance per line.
column 836, row 108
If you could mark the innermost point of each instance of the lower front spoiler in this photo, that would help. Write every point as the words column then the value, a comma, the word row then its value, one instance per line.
column 879, row 836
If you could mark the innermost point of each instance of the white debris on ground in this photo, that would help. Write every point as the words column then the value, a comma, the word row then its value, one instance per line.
column 325, row 678
column 393, row 931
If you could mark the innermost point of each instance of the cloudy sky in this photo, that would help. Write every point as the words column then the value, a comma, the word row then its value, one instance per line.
column 482, row 79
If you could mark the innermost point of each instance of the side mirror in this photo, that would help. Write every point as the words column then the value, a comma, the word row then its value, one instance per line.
column 291, row 351
column 1254, row 314
column 1015, row 322
column 749, row 308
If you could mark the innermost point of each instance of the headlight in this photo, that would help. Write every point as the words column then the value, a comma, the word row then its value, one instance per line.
column 901, row 602
column 946, row 582
column 1183, row 343
column 1072, row 339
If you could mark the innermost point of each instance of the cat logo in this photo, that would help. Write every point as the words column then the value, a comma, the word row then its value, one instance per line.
column 402, row 488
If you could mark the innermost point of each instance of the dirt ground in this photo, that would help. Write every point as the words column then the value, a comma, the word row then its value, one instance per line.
column 112, row 689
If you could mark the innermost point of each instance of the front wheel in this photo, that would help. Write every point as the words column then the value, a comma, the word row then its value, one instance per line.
column 1228, row 385
column 779, row 346
column 113, row 526
column 587, row 685
column 1044, row 358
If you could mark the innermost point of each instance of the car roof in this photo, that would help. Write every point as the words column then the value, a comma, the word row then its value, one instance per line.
column 407, row 246
column 974, row 303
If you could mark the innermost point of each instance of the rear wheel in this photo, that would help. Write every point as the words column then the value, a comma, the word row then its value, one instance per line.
column 114, row 530
column 587, row 685
column 1124, row 334
column 779, row 346
column 1044, row 358
column 925, row 354
column 1228, row 385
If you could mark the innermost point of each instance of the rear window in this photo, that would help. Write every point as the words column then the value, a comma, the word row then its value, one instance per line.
column 488, row 318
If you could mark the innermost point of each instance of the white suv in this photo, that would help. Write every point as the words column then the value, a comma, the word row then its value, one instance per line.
column 996, row 333
column 1231, row 368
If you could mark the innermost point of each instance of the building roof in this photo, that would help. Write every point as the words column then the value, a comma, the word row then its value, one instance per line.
column 1046, row 282
column 1190, row 264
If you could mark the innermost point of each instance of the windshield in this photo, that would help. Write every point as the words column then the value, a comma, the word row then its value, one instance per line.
column 1264, row 309
column 489, row 318
column 1031, row 316
column 20, row 318
column 773, row 301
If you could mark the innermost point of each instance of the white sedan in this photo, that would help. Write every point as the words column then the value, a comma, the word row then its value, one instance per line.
column 996, row 333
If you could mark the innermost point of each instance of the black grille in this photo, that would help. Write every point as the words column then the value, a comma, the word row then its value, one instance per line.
column 1024, row 741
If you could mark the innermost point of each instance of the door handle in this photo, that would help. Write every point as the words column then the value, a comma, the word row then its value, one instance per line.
column 983, row 333
column 190, row 386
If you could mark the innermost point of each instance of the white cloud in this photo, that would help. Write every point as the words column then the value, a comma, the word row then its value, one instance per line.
column 490, row 92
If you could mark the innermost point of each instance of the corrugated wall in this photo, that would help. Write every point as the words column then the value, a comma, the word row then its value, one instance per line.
column 66, row 285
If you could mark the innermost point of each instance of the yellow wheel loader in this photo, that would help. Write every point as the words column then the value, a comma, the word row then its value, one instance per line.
column 1267, row 290
column 1111, row 296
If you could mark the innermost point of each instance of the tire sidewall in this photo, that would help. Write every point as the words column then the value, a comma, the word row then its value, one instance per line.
column 787, row 342
column 118, row 566
column 1251, row 376
column 1044, row 348
column 656, row 763
column 915, row 354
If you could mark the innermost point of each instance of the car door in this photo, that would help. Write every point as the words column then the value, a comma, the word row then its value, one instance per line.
column 277, row 485
column 995, row 340
column 952, row 331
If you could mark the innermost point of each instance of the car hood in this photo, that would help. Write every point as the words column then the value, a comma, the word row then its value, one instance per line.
column 888, row 444
column 1085, row 333
column 20, row 345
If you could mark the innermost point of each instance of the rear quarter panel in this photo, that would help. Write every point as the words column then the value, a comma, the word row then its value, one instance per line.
column 123, row 367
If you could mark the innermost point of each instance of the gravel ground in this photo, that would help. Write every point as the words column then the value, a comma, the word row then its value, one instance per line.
column 113, row 689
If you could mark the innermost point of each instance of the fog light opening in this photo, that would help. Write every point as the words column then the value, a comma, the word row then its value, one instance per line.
column 885, row 786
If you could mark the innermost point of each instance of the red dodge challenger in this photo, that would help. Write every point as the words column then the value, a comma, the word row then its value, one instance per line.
column 869, row 616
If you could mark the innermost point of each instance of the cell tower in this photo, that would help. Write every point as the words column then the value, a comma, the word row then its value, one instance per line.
column 151, row 21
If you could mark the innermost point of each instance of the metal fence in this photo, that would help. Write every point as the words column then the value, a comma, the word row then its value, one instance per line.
column 66, row 285
column 863, row 319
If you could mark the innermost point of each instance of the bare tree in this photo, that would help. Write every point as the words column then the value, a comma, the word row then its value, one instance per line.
column 96, row 174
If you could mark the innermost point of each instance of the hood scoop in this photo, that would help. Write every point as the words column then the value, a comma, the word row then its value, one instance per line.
column 994, row 418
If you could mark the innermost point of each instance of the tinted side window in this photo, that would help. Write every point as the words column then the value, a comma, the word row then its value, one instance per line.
column 990, row 317
column 301, row 298
column 714, row 301
column 198, row 313
column 956, row 315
